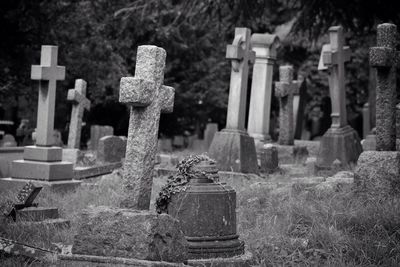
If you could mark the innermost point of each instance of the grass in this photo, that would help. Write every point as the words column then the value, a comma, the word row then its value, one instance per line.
column 280, row 227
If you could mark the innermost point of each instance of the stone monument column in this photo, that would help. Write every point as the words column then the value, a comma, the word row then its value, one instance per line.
column 233, row 148
column 264, row 45
column 340, row 142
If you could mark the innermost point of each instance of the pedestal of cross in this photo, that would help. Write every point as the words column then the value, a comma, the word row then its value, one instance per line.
column 43, row 162
column 264, row 45
column 232, row 148
column 340, row 142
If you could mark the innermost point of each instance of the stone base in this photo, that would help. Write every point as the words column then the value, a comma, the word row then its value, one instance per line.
column 235, row 151
column 291, row 154
column 99, row 261
column 369, row 143
column 378, row 172
column 342, row 144
column 38, row 170
column 71, row 155
column 244, row 260
column 142, row 235
column 14, row 184
column 42, row 153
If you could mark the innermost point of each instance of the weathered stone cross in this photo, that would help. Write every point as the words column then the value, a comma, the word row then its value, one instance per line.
column 78, row 96
column 48, row 73
column 240, row 53
column 384, row 58
column 284, row 90
column 147, row 97
column 333, row 57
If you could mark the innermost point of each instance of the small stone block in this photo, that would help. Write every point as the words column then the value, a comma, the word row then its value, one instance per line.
column 234, row 52
column 49, row 171
column 167, row 95
column 136, row 91
column 382, row 57
column 39, row 153
column 36, row 214
column 269, row 159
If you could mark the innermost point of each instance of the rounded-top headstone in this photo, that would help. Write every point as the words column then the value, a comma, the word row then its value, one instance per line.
column 387, row 33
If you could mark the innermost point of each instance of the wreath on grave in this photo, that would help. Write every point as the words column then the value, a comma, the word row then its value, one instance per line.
column 178, row 183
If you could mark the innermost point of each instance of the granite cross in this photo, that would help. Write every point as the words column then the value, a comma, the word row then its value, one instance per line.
column 147, row 97
column 264, row 45
column 48, row 73
column 333, row 57
column 284, row 90
column 240, row 53
column 78, row 96
column 384, row 58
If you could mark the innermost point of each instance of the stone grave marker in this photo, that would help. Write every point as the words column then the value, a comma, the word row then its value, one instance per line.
column 8, row 141
column 140, row 229
column 178, row 141
column 284, row 90
column 378, row 172
column 97, row 132
column 366, row 120
column 209, row 132
column 300, row 101
column 264, row 46
column 111, row 149
column 340, row 142
column 77, row 96
column 232, row 148
column 43, row 162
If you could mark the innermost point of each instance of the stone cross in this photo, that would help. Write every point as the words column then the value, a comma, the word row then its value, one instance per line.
column 147, row 97
column 78, row 96
column 240, row 53
column 264, row 45
column 333, row 57
column 48, row 73
column 384, row 58
column 284, row 90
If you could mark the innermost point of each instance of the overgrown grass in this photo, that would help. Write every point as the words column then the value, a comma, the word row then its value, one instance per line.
column 280, row 227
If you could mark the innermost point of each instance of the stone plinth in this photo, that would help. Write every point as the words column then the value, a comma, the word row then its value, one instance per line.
column 207, row 214
column 124, row 233
column 378, row 172
column 339, row 143
column 234, row 150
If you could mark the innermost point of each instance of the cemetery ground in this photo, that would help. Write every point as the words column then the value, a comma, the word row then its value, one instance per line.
column 281, row 223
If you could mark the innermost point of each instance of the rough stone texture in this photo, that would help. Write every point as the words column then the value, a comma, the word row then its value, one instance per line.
column 384, row 58
column 378, row 172
column 245, row 260
column 264, row 45
column 97, row 132
column 209, row 132
column 269, row 159
column 106, row 231
column 291, row 154
column 284, row 90
column 369, row 143
column 143, row 123
column 234, row 151
column 111, row 149
column 79, row 104
column 339, row 143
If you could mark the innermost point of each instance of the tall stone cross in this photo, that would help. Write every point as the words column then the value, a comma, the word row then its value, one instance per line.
column 284, row 90
column 79, row 103
column 47, row 73
column 241, row 54
column 147, row 97
column 264, row 45
column 333, row 57
column 385, row 58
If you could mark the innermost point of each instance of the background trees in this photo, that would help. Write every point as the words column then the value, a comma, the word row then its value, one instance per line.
column 98, row 39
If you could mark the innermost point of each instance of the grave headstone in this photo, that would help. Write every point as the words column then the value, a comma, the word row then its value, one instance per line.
column 378, row 171
column 111, row 149
column 209, row 132
column 284, row 90
column 178, row 141
column 269, row 161
column 43, row 162
column 79, row 101
column 340, row 141
column 264, row 46
column 300, row 101
column 140, row 229
column 97, row 132
column 232, row 148
column 366, row 120
column 8, row 141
